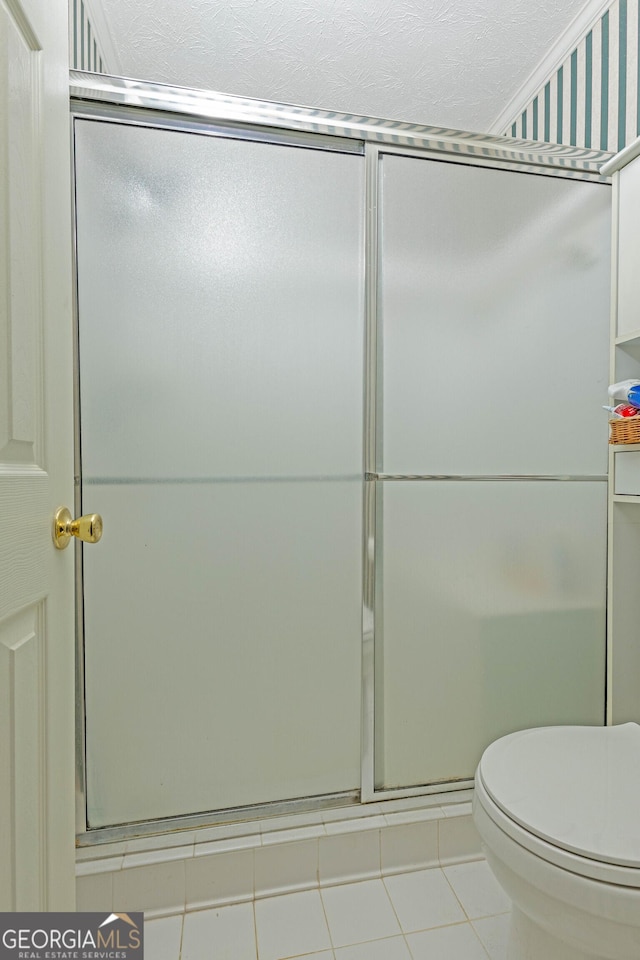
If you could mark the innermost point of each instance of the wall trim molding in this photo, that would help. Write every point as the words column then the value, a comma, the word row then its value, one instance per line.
column 556, row 56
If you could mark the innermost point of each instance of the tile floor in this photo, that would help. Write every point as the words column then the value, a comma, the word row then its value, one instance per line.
column 455, row 913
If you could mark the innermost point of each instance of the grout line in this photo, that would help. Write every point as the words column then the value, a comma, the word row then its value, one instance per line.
column 456, row 923
column 255, row 926
column 473, row 922
column 406, row 943
column 479, row 940
column 358, row 943
column 393, row 906
column 181, row 935
column 408, row 947
column 326, row 920
column 253, row 889
column 455, row 895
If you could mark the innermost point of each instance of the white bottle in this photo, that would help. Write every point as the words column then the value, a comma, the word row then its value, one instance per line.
column 620, row 391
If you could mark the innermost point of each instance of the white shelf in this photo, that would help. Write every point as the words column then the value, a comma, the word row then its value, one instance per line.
column 625, row 498
column 631, row 339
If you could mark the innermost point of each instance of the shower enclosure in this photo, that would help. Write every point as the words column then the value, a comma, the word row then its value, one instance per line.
column 339, row 406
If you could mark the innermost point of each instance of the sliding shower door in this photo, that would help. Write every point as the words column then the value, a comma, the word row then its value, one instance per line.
column 220, row 340
column 491, row 461
column 222, row 347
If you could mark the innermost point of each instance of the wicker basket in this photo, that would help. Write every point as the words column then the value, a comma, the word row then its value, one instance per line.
column 624, row 430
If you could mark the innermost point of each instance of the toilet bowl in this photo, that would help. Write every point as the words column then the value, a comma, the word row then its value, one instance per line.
column 558, row 813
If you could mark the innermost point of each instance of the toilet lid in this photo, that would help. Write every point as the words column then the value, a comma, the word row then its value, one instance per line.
column 578, row 788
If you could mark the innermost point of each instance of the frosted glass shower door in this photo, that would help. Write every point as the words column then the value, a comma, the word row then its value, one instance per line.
column 221, row 326
column 493, row 324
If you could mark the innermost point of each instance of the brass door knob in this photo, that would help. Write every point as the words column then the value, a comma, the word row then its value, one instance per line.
column 87, row 528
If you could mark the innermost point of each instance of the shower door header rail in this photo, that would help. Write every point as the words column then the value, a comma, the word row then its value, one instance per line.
column 203, row 105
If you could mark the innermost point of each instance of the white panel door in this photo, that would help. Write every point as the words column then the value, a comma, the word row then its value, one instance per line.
column 36, row 465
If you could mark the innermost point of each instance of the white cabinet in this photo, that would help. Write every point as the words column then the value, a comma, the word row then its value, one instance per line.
column 625, row 474
column 624, row 459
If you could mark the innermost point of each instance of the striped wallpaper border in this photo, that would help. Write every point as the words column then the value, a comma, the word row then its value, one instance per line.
column 85, row 52
column 592, row 99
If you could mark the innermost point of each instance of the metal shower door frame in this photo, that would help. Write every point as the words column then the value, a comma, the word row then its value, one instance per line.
column 121, row 100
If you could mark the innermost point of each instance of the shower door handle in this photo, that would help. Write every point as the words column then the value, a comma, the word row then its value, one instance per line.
column 87, row 528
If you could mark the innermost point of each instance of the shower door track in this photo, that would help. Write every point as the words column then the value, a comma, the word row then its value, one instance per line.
column 140, row 103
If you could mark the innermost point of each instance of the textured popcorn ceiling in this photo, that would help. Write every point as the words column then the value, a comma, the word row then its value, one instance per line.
column 445, row 62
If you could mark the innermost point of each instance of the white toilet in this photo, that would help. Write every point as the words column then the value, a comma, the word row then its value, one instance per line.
column 558, row 812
